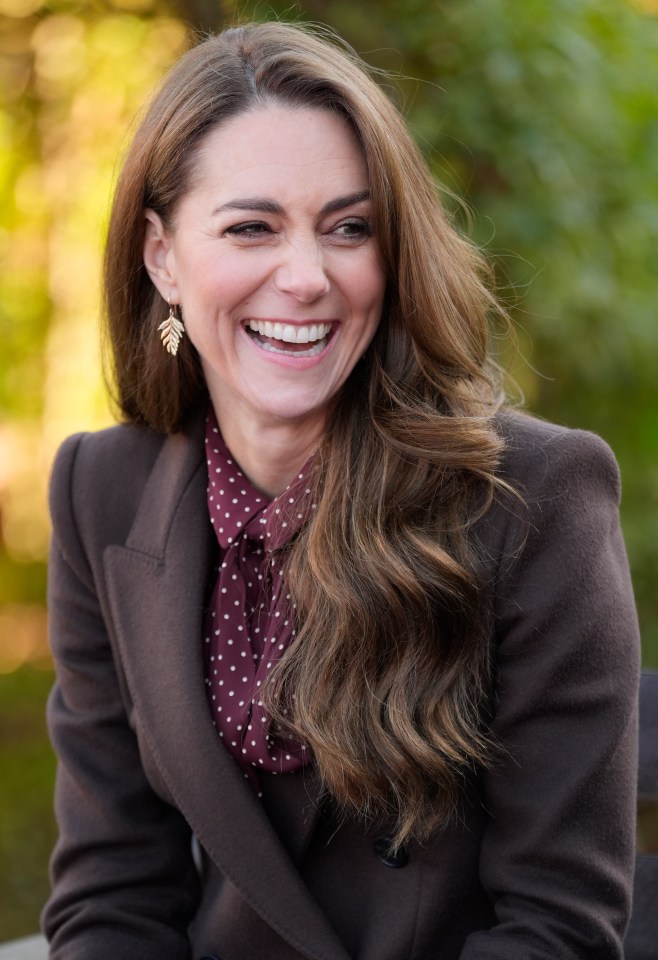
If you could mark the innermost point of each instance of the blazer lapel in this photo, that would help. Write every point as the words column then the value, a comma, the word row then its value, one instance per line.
column 156, row 587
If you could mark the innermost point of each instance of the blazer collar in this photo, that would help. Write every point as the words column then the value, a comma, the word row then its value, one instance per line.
column 156, row 587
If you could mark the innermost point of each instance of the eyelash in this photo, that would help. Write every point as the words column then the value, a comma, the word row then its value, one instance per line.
column 362, row 225
column 257, row 228
column 251, row 229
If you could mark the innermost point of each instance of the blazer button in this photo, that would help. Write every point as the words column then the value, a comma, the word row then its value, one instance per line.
column 398, row 858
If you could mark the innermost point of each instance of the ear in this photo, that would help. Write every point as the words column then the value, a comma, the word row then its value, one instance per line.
column 157, row 247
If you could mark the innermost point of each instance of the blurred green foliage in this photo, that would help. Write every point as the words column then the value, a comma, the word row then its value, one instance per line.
column 539, row 118
column 27, row 825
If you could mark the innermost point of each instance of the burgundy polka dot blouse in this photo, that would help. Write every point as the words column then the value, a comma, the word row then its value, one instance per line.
column 250, row 619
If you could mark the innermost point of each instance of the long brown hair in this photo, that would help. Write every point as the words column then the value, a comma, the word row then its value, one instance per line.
column 388, row 676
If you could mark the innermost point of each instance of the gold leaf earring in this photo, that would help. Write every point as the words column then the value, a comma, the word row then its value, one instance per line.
column 172, row 330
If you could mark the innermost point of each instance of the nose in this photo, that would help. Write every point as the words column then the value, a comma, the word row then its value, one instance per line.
column 301, row 272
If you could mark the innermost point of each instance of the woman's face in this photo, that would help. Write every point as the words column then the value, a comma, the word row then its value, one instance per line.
column 273, row 262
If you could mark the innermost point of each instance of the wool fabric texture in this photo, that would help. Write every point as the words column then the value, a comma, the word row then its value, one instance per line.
column 250, row 620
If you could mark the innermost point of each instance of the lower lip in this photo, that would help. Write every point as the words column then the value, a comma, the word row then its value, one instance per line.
column 293, row 360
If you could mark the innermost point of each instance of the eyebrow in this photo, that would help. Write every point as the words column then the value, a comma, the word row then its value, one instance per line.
column 263, row 205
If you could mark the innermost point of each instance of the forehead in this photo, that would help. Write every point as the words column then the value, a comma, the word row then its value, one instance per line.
column 282, row 148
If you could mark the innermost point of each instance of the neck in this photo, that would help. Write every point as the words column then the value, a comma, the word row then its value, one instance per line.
column 270, row 454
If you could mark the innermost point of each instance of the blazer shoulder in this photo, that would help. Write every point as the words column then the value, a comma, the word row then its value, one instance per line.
column 554, row 479
column 97, row 480
column 543, row 458
column 118, row 449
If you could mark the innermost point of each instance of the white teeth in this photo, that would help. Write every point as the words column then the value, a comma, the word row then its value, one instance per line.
column 303, row 335
column 288, row 332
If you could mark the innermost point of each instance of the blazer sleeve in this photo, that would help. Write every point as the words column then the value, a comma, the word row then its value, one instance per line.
column 124, row 882
column 557, row 855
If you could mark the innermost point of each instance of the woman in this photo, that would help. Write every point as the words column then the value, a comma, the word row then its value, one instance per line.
column 347, row 654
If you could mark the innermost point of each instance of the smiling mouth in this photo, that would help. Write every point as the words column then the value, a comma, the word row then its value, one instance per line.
column 305, row 340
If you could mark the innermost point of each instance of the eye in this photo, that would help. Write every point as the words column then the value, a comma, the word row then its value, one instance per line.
column 356, row 228
column 253, row 228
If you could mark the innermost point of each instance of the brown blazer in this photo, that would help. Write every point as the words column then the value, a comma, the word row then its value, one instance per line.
column 164, row 850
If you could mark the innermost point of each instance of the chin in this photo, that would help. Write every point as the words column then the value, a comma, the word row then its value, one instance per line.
column 295, row 414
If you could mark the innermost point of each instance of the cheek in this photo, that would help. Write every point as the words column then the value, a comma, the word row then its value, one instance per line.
column 208, row 275
column 369, row 281
column 233, row 284
column 372, row 293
